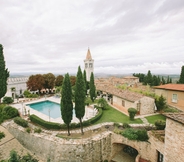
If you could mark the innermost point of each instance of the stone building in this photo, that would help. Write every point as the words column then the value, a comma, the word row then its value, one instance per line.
column 125, row 99
column 16, row 86
column 174, row 94
column 88, row 65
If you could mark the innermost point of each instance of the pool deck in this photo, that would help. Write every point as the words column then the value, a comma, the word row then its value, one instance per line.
column 21, row 106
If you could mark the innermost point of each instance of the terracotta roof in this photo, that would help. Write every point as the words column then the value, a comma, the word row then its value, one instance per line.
column 175, row 87
column 125, row 94
column 88, row 56
column 179, row 117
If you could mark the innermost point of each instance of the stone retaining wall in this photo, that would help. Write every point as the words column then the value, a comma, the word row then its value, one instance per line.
column 98, row 148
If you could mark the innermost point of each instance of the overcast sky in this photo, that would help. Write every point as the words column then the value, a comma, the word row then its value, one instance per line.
column 124, row 36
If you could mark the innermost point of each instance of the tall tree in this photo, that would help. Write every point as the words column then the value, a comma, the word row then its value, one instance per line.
column 163, row 80
column 35, row 82
column 66, row 102
column 59, row 80
column 181, row 80
column 4, row 74
column 49, row 81
column 85, row 80
column 92, row 88
column 80, row 97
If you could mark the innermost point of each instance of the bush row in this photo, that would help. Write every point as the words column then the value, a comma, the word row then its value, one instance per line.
column 51, row 125
column 21, row 122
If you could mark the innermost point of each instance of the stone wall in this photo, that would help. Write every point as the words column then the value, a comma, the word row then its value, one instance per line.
column 95, row 149
column 98, row 148
column 174, row 141
column 147, row 105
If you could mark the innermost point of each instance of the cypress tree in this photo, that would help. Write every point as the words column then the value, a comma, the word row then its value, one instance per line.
column 4, row 74
column 181, row 80
column 80, row 97
column 66, row 102
column 85, row 81
column 92, row 88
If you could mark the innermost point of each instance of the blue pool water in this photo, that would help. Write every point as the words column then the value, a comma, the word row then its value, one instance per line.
column 47, row 106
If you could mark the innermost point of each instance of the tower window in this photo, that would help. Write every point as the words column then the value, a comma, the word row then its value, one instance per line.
column 90, row 65
column 86, row 65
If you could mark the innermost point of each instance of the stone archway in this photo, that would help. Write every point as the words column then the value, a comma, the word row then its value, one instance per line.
column 124, row 152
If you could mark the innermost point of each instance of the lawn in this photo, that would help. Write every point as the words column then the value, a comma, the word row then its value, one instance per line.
column 153, row 118
column 113, row 115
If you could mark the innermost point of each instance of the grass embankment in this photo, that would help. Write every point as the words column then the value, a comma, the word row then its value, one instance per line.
column 152, row 119
column 113, row 115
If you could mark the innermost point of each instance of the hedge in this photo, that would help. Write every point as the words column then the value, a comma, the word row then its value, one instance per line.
column 51, row 125
column 21, row 122
column 43, row 123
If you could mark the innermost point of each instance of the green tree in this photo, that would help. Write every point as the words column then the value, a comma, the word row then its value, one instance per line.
column 163, row 80
column 149, row 78
column 160, row 103
column 92, row 88
column 59, row 80
column 49, row 81
column 181, row 80
column 66, row 102
column 80, row 97
column 102, row 103
column 4, row 74
column 85, row 80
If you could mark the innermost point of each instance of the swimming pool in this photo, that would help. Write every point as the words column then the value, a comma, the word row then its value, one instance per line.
column 47, row 107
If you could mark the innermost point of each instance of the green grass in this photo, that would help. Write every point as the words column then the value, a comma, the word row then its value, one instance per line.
column 153, row 118
column 113, row 115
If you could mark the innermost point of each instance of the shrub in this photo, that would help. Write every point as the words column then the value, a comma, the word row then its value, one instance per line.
column 21, row 122
column 10, row 112
column 116, row 124
column 7, row 100
column 126, row 125
column 28, row 130
column 135, row 134
column 132, row 112
column 160, row 124
column 37, row 130
column 2, row 135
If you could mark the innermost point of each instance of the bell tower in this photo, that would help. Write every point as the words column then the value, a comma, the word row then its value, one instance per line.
column 88, row 65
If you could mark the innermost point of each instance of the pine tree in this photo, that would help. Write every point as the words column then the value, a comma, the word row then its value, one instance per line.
column 181, row 80
column 80, row 96
column 4, row 74
column 66, row 102
column 92, row 88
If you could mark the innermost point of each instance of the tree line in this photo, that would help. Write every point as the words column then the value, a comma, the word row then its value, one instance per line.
column 152, row 80
column 46, row 81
